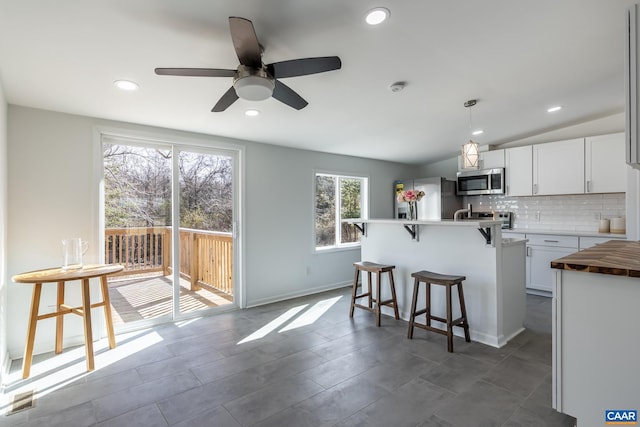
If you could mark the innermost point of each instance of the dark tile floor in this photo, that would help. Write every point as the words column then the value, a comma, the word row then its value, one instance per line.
column 301, row 362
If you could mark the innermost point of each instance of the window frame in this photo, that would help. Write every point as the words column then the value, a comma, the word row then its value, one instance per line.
column 364, row 209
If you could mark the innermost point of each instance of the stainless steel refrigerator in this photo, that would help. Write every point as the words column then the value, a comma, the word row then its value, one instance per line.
column 439, row 202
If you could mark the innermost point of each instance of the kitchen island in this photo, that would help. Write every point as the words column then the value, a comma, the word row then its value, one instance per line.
column 596, row 293
column 495, row 269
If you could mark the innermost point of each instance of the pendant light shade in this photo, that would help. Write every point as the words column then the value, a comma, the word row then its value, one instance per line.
column 470, row 156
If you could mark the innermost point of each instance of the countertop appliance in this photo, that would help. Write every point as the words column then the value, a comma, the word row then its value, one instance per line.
column 440, row 200
column 505, row 216
column 478, row 182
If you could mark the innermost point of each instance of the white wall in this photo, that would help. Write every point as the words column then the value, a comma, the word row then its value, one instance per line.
column 445, row 168
column 51, row 195
column 3, row 232
column 279, row 200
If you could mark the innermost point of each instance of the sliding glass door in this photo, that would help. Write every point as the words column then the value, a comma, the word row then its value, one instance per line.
column 168, row 218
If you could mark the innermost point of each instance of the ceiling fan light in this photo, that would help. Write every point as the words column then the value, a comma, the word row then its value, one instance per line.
column 254, row 88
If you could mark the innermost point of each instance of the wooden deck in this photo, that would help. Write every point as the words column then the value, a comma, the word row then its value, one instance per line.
column 148, row 297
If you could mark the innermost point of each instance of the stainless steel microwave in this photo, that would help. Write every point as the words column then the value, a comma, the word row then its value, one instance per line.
column 476, row 182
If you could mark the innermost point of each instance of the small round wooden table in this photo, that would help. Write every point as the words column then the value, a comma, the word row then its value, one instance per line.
column 60, row 276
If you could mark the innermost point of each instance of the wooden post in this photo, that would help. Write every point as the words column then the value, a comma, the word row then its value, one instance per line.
column 166, row 252
column 193, row 261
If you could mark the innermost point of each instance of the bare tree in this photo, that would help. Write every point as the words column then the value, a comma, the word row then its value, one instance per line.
column 138, row 188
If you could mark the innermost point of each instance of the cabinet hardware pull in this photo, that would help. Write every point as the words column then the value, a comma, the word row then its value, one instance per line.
column 588, row 186
column 528, row 250
column 550, row 241
column 535, row 188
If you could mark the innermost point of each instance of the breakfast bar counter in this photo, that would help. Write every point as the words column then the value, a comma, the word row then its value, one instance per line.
column 494, row 288
column 596, row 293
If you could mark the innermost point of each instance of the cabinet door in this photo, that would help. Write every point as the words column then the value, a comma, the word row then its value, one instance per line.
column 492, row 159
column 519, row 171
column 605, row 164
column 539, row 271
column 558, row 167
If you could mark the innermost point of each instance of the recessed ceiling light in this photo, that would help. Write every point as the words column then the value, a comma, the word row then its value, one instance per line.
column 126, row 85
column 252, row 113
column 477, row 132
column 377, row 16
column 554, row 109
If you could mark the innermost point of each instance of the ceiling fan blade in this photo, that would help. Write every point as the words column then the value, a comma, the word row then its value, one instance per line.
column 226, row 100
column 245, row 42
column 197, row 72
column 286, row 95
column 304, row 66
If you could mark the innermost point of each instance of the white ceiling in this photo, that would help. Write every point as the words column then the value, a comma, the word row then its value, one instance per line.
column 516, row 57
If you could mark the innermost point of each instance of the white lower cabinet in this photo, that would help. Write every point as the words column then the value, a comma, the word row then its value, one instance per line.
column 541, row 250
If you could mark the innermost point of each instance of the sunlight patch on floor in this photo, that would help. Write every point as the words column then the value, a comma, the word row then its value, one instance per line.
column 60, row 370
column 273, row 325
column 309, row 317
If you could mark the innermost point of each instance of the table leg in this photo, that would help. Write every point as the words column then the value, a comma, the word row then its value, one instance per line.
column 88, row 335
column 107, row 311
column 60, row 318
column 31, row 330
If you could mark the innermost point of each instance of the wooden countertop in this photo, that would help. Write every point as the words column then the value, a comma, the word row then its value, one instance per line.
column 616, row 257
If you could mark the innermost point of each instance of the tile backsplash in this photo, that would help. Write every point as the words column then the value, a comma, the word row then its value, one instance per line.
column 580, row 212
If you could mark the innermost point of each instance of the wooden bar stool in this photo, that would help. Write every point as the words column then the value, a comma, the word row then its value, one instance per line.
column 371, row 267
column 429, row 278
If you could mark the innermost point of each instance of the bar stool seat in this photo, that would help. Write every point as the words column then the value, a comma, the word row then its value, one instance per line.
column 429, row 278
column 378, row 269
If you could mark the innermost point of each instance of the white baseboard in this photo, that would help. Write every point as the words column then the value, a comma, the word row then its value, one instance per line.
column 302, row 293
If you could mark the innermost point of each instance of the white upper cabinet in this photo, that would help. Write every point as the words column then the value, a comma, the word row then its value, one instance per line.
column 492, row 159
column 605, row 168
column 558, row 167
column 519, row 171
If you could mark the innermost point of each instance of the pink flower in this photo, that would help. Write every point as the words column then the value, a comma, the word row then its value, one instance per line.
column 409, row 196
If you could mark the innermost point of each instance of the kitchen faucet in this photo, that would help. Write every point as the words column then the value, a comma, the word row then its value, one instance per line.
column 468, row 211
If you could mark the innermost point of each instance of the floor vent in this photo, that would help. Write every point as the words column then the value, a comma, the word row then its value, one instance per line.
column 21, row 402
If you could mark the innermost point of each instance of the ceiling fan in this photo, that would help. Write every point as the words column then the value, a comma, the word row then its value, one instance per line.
column 253, row 80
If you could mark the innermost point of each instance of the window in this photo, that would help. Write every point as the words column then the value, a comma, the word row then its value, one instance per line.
column 338, row 197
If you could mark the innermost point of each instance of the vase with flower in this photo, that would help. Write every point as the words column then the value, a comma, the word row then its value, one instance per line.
column 411, row 197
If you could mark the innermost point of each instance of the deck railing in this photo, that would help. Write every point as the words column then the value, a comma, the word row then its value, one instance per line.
column 206, row 257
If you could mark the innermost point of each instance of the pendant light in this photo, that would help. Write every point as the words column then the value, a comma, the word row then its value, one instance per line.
column 470, row 154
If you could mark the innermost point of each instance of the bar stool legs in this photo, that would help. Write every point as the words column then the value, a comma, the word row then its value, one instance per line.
column 373, row 305
column 430, row 278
